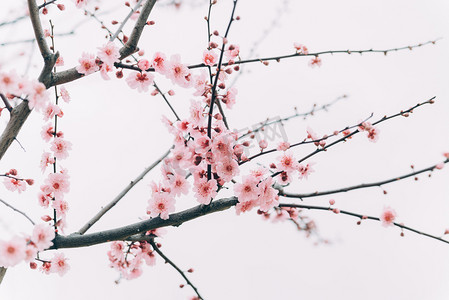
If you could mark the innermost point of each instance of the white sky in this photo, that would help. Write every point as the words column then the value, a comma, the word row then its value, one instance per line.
column 117, row 132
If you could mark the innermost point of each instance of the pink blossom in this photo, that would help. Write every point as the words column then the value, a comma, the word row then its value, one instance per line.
column 388, row 216
column 8, row 82
column 58, row 184
column 38, row 96
column 232, row 51
column 59, row 264
column 161, row 204
column 283, row 146
column 304, row 171
column 140, row 81
column 44, row 200
column 259, row 173
column 143, row 64
column 104, row 70
column 87, row 64
column 51, row 110
column 373, row 134
column 227, row 169
column 263, row 144
column 42, row 237
column 245, row 206
column 247, row 190
column 12, row 252
column 80, row 3
column 287, row 162
column 315, row 62
column 109, row 53
column 202, row 144
column 160, row 63
column 64, row 94
column 178, row 185
column 205, row 190
column 200, row 84
column 301, row 49
column 178, row 72
column 60, row 148
column 229, row 98
column 13, row 184
column 61, row 207
column 210, row 57
column 47, row 132
column 59, row 62
column 439, row 166
column 268, row 195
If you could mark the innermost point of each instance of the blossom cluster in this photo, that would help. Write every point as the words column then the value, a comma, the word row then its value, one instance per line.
column 25, row 248
column 128, row 257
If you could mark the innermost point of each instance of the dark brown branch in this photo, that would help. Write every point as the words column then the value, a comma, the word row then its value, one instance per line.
column 6, row 102
column 133, row 10
column 278, row 58
column 359, row 186
column 105, row 209
column 76, row 240
column 131, row 46
column 402, row 113
column 17, row 210
column 18, row 116
column 167, row 260
column 362, row 217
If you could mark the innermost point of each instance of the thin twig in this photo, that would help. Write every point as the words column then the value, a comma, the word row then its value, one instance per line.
column 167, row 260
column 111, row 204
column 280, row 57
column 136, row 7
column 359, row 186
column 6, row 102
column 362, row 217
column 17, row 210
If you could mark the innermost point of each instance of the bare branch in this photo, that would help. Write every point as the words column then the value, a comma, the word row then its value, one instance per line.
column 76, row 240
column 359, row 186
column 131, row 46
column 362, row 217
column 18, row 116
column 136, row 7
column 6, row 102
column 121, row 195
column 17, row 210
column 167, row 260
column 2, row 273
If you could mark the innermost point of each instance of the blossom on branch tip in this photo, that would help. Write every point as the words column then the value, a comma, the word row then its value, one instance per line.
column 140, row 81
column 88, row 64
column 109, row 53
column 388, row 216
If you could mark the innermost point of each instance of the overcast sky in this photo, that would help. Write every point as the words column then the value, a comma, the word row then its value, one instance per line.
column 116, row 133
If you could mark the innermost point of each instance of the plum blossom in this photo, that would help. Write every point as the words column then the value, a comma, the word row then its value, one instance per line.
column 205, row 190
column 228, row 169
column 388, row 216
column 247, row 190
column 58, row 184
column 12, row 252
column 300, row 48
column 232, row 51
column 80, row 3
column 60, row 148
column 161, row 204
column 87, row 64
column 51, row 110
column 315, row 62
column 109, row 53
column 59, row 264
column 143, row 64
column 140, row 81
column 13, row 184
column 42, row 236
column 210, row 57
column 160, row 63
column 38, row 96
column 178, row 72
column 64, row 94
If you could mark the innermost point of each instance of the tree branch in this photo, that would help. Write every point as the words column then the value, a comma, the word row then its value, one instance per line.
column 167, row 260
column 16, row 210
column 362, row 217
column 121, row 195
column 356, row 187
column 76, row 240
